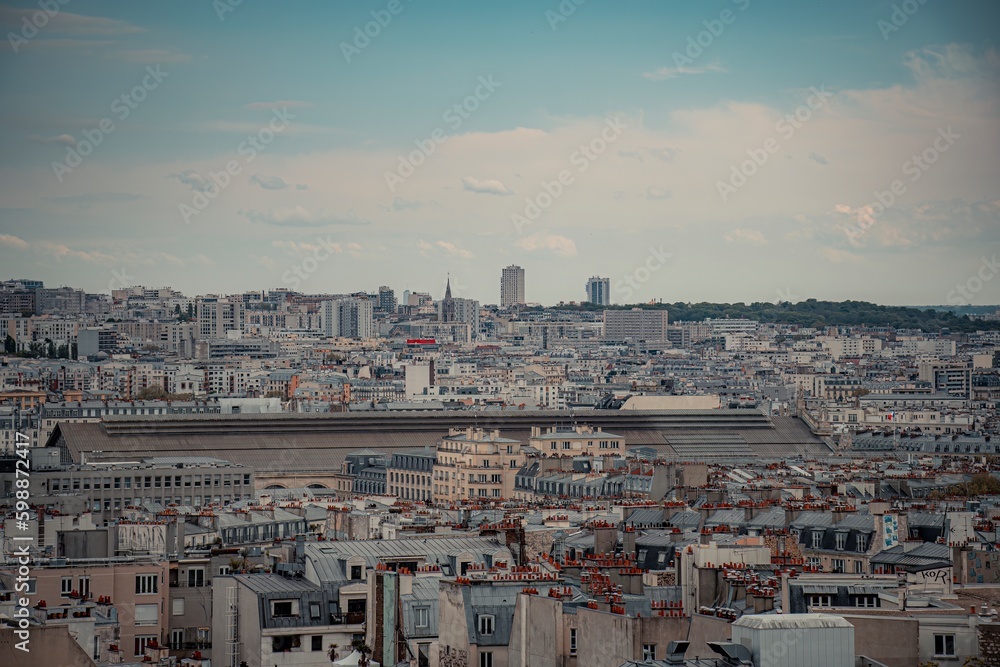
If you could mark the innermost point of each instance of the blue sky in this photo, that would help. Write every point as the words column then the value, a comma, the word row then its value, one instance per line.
column 313, row 209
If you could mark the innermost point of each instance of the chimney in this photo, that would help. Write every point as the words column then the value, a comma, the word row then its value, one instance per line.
column 628, row 542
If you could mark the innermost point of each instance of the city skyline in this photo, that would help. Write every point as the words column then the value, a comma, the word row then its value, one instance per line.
column 722, row 139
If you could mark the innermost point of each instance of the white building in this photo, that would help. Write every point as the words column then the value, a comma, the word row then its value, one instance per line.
column 347, row 318
column 511, row 286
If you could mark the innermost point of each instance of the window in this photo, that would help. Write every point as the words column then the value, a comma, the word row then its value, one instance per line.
column 862, row 543
column 178, row 606
column 817, row 537
column 841, row 541
column 141, row 641
column 838, row 565
column 314, row 611
column 814, row 562
column 317, row 643
column 355, row 572
column 177, row 639
column 66, row 585
column 486, row 624
column 649, row 652
column 224, row 570
column 859, row 567
column 866, row 601
column 146, row 584
column 196, row 577
column 84, row 586
column 572, row 641
column 944, row 646
column 147, row 614
column 820, row 601
column 485, row 659
column 284, row 608
column 421, row 617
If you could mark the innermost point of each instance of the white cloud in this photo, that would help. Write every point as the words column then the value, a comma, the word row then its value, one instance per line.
column 745, row 235
column 673, row 72
column 300, row 216
column 11, row 241
column 554, row 243
column 67, row 23
column 485, row 187
column 59, row 139
column 443, row 247
column 269, row 182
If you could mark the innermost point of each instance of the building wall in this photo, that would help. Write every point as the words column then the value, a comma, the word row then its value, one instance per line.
column 117, row 581
column 870, row 634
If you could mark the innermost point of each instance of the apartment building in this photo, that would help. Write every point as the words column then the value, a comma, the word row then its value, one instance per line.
column 473, row 463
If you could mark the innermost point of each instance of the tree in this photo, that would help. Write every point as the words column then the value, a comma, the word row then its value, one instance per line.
column 364, row 649
column 332, row 652
column 9, row 345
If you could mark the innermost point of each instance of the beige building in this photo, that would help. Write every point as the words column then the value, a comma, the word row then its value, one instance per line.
column 577, row 441
column 472, row 463
column 138, row 590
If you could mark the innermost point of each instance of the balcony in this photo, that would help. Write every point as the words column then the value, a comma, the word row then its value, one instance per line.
column 348, row 618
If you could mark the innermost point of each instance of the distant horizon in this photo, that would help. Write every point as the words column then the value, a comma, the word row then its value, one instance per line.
column 664, row 301
column 740, row 151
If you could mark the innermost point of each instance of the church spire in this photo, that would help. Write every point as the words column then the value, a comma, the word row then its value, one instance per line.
column 447, row 289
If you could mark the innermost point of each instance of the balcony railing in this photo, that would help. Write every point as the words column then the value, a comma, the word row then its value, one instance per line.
column 348, row 618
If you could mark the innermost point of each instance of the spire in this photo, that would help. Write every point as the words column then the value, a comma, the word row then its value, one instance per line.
column 447, row 289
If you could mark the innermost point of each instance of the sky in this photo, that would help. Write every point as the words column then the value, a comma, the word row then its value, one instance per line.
column 736, row 150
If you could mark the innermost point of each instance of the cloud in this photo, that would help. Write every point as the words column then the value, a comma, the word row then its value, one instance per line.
column 301, row 248
column 653, row 192
column 61, row 251
column 66, row 23
column 59, row 139
column 816, row 157
column 665, row 154
column 95, row 198
column 838, row 256
column 673, row 72
column 444, row 247
column 280, row 104
column 264, row 261
column 54, row 250
column 558, row 245
column 400, row 204
column 11, row 241
column 193, row 180
column 299, row 216
column 487, row 187
column 745, row 235
column 152, row 56
column 269, row 182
